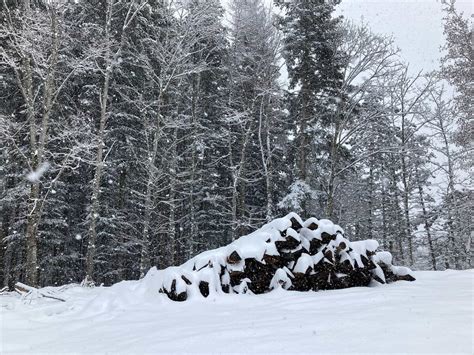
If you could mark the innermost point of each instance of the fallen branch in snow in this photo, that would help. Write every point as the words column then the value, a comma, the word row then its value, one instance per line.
column 26, row 291
column 286, row 253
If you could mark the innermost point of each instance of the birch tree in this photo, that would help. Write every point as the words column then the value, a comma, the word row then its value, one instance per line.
column 33, row 37
column 109, row 53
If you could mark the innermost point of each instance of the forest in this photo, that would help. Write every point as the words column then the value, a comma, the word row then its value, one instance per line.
column 139, row 133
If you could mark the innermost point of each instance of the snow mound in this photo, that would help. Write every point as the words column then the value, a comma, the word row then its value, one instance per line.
column 286, row 253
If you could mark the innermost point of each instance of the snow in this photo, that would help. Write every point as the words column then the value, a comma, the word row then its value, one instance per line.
column 379, row 273
column 431, row 315
column 310, row 221
column 291, row 232
column 383, row 256
column 280, row 280
column 243, row 288
column 36, row 175
column 305, row 261
column 310, row 234
column 361, row 246
column 298, row 191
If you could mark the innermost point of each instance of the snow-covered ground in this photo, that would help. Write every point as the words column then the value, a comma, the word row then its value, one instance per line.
column 431, row 315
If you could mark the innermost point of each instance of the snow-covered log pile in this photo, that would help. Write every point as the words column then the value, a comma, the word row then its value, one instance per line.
column 287, row 253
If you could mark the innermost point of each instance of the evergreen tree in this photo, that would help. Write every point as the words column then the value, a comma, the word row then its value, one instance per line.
column 314, row 70
column 457, row 67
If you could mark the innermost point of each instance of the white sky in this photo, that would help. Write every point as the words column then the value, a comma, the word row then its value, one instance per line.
column 417, row 28
column 415, row 24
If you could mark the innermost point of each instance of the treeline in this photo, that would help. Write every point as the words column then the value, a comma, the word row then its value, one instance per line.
column 138, row 133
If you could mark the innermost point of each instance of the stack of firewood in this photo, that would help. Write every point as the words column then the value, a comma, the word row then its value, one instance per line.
column 286, row 253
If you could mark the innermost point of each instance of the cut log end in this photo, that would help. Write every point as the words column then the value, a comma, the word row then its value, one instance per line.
column 313, row 226
column 406, row 277
column 234, row 258
column 295, row 224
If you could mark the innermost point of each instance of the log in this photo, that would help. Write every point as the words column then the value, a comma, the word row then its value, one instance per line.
column 313, row 226
column 295, row 224
column 371, row 265
column 285, row 245
column 314, row 246
column 180, row 297
column 234, row 258
column 259, row 287
column 342, row 246
column 301, row 282
column 345, row 267
column 359, row 278
column 378, row 279
column 259, row 274
column 288, row 243
column 173, row 295
column 204, row 288
column 275, row 261
column 25, row 289
column 236, row 277
column 328, row 254
column 289, row 256
column 406, row 277
column 326, row 237
column 319, row 280
column 185, row 279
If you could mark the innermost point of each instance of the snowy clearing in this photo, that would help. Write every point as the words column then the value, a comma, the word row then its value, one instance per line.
column 431, row 315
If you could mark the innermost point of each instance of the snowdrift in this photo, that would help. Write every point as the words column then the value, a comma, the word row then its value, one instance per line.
column 285, row 253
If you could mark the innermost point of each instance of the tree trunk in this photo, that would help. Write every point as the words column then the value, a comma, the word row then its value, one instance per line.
column 31, row 242
column 148, row 205
column 427, row 226
column 332, row 176
column 302, row 125
column 451, row 199
column 99, row 161
column 194, row 230
column 384, row 212
column 266, row 158
column 406, row 209
column 145, row 250
column 370, row 202
column 237, row 177
column 399, row 229
column 173, row 243
column 38, row 148
column 406, row 189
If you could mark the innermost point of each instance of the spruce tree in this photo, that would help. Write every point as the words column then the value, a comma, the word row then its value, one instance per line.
column 314, row 69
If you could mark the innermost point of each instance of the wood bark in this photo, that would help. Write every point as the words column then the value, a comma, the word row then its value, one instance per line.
column 99, row 160
column 38, row 145
column 266, row 156
column 427, row 224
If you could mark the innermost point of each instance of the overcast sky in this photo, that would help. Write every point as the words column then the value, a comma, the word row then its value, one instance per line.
column 415, row 24
column 417, row 28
